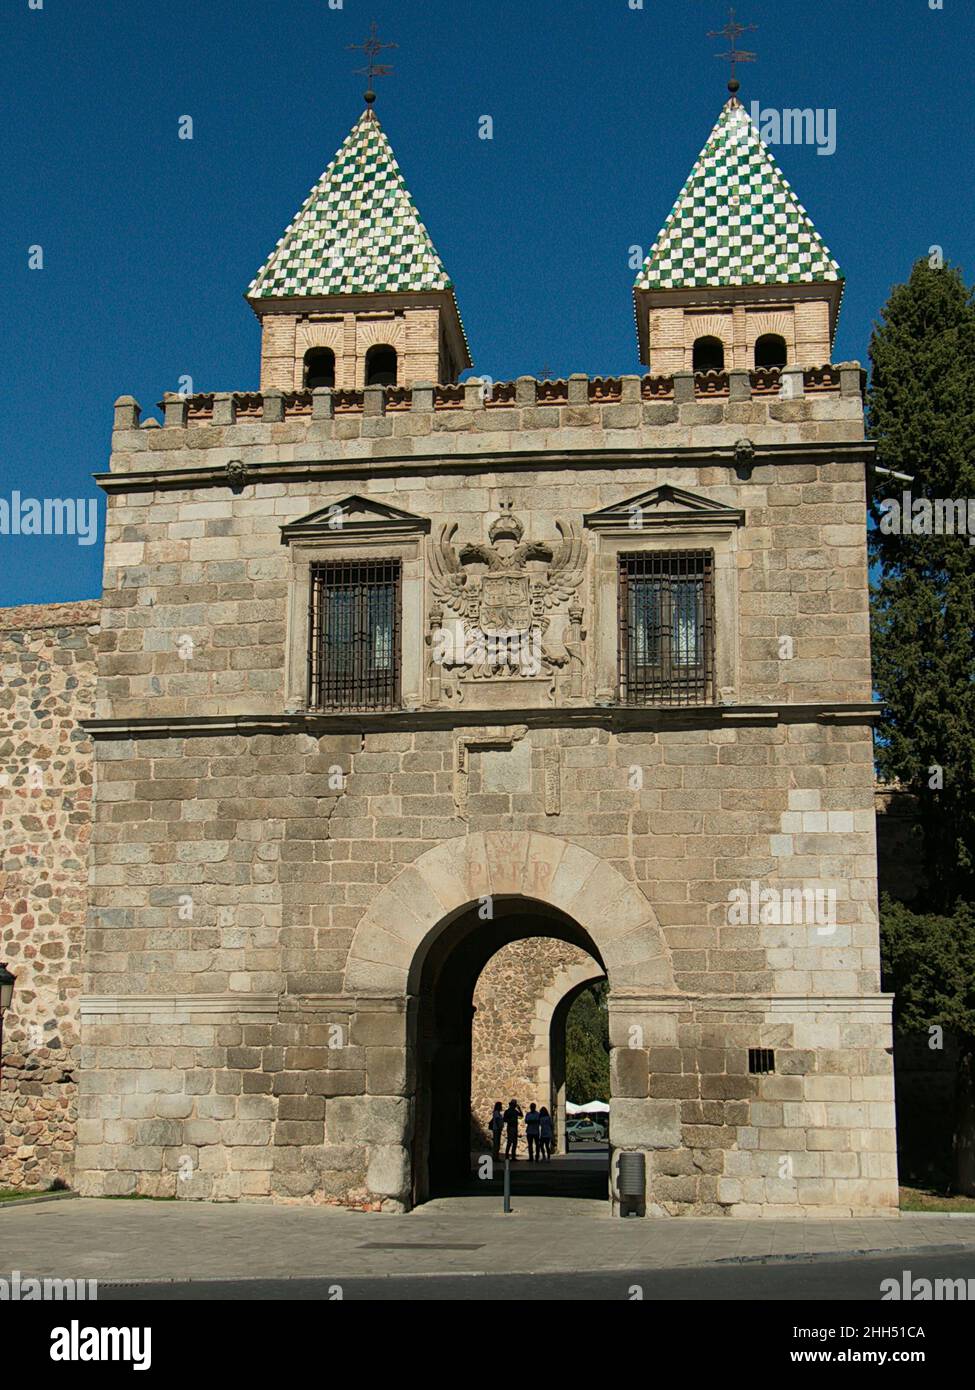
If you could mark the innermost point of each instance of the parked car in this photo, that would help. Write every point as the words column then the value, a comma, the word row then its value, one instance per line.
column 584, row 1129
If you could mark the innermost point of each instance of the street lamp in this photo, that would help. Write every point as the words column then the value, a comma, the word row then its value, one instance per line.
column 6, row 994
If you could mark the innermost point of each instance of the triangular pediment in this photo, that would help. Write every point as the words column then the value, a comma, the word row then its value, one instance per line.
column 354, row 517
column 664, row 506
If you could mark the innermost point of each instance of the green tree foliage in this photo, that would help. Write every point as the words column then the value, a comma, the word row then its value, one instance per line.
column 929, row 963
column 587, row 1046
column 922, row 414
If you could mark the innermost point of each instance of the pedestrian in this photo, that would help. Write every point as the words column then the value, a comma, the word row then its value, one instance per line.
column 496, row 1125
column 512, row 1115
column 531, row 1132
column 546, row 1133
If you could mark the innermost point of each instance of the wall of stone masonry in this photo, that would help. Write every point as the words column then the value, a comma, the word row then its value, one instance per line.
column 816, row 1137
column 213, row 565
column 254, row 916
column 276, row 869
column 212, row 431
column 47, row 684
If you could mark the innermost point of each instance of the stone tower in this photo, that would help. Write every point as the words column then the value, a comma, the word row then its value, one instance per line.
column 738, row 277
column 354, row 294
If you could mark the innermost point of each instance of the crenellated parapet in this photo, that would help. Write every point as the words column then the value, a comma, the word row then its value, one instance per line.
column 789, row 405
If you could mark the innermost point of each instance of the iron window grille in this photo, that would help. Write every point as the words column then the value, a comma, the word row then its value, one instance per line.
column 354, row 624
column 761, row 1060
column 666, row 617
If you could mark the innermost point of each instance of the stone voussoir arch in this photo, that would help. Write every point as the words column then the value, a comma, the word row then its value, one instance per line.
column 567, row 980
column 451, row 876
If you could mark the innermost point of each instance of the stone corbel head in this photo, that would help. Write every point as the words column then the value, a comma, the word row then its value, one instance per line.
column 744, row 458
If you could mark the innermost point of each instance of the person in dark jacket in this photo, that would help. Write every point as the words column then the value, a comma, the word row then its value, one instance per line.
column 532, row 1125
column 546, row 1133
column 512, row 1115
column 496, row 1125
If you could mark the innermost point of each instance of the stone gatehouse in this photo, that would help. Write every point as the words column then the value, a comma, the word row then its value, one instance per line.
column 391, row 672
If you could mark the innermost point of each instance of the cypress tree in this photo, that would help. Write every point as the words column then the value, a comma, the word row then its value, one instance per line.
column 921, row 410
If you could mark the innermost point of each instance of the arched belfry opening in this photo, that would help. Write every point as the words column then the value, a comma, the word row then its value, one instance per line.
column 318, row 368
column 708, row 354
column 445, row 1147
column 381, row 365
column 770, row 350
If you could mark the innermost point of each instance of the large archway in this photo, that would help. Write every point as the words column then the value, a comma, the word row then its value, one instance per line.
column 428, row 933
column 442, row 1156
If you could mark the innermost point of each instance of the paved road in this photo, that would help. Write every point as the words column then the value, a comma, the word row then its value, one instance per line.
column 779, row 1281
column 123, row 1241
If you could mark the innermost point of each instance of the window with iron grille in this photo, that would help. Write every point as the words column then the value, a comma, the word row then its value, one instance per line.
column 666, row 615
column 354, row 635
column 761, row 1060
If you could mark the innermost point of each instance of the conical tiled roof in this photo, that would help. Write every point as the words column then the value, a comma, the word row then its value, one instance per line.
column 358, row 231
column 736, row 221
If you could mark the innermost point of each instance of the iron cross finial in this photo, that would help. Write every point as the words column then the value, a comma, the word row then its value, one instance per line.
column 372, row 48
column 733, row 32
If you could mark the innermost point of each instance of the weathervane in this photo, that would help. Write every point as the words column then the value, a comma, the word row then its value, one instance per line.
column 372, row 48
column 733, row 32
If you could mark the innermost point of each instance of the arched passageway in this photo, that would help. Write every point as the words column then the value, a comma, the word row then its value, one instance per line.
column 442, row 1156
column 426, row 936
column 566, row 991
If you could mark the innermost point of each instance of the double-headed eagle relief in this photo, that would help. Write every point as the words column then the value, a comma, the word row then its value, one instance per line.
column 512, row 610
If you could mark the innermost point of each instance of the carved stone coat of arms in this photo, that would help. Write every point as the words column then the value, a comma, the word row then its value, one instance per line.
column 508, row 609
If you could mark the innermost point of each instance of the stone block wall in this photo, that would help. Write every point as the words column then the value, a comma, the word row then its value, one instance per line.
column 47, row 685
column 213, row 641
column 815, row 1136
column 225, row 902
column 267, row 882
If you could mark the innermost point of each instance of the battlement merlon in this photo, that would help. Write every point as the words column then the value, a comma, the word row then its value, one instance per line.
column 791, row 406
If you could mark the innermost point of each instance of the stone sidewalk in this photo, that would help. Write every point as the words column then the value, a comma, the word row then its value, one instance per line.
column 118, row 1241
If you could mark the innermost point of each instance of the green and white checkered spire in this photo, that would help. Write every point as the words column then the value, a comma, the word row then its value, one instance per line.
column 358, row 231
column 736, row 221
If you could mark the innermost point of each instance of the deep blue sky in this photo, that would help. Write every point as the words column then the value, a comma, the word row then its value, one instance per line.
column 599, row 112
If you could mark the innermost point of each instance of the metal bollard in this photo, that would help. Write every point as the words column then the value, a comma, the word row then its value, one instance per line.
column 507, row 1185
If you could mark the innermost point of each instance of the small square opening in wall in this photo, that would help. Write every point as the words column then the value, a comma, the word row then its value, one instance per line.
column 761, row 1060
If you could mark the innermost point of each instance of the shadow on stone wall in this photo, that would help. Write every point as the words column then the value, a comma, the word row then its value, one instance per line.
column 924, row 1078
column 924, row 1087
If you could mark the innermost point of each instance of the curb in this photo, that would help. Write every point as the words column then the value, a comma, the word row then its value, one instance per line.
column 800, row 1257
column 942, row 1215
column 35, row 1201
column 822, row 1256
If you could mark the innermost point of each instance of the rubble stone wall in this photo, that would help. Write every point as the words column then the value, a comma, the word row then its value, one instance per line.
column 47, row 684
